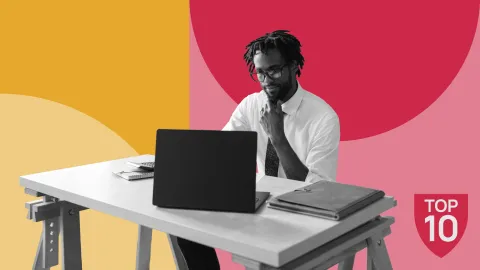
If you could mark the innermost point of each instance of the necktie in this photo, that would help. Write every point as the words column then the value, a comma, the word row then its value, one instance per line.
column 271, row 160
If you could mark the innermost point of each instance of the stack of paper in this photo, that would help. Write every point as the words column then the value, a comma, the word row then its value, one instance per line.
column 133, row 173
column 327, row 199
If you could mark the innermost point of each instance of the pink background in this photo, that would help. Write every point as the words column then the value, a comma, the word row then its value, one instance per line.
column 436, row 152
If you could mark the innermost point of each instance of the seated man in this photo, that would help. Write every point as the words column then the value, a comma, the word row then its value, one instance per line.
column 298, row 132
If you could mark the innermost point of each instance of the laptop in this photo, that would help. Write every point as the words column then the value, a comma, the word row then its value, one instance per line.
column 207, row 170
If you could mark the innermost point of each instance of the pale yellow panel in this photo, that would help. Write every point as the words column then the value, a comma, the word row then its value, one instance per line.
column 38, row 135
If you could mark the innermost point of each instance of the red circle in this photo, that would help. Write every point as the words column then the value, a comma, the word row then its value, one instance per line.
column 377, row 64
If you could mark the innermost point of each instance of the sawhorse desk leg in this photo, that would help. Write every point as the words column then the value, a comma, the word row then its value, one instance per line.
column 340, row 251
column 347, row 264
column 63, row 218
column 59, row 218
column 144, row 247
column 144, row 250
column 71, row 243
column 377, row 254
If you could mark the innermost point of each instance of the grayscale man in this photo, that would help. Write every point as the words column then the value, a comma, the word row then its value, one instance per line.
column 298, row 132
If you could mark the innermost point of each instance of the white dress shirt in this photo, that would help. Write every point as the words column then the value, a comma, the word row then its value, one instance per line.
column 311, row 126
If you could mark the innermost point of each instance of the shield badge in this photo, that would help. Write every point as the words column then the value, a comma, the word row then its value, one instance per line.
column 441, row 220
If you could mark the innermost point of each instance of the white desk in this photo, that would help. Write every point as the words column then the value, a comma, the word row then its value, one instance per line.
column 268, row 238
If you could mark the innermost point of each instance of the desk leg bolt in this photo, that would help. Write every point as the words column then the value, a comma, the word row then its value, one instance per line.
column 377, row 253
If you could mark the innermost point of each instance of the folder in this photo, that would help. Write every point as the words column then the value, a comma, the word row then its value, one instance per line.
column 327, row 199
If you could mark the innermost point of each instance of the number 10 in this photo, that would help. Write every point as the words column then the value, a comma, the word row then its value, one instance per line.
column 431, row 219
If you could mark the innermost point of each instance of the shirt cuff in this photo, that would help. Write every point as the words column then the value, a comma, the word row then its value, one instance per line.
column 313, row 177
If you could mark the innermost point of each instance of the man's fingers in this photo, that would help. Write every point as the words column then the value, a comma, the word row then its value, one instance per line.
column 279, row 106
column 264, row 125
column 265, row 108
column 268, row 105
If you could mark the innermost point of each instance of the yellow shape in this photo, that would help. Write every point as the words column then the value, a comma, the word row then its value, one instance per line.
column 39, row 135
column 125, row 63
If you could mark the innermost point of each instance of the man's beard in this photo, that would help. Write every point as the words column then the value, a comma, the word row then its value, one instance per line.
column 282, row 93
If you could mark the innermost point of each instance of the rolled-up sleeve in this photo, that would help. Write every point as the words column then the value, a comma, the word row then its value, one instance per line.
column 322, row 158
column 239, row 119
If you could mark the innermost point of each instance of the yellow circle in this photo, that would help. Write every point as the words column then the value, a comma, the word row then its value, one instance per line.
column 39, row 135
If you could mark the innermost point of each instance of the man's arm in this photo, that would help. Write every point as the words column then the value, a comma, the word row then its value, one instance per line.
column 272, row 122
column 292, row 165
column 321, row 162
column 322, row 158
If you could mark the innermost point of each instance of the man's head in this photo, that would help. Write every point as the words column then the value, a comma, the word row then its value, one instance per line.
column 274, row 60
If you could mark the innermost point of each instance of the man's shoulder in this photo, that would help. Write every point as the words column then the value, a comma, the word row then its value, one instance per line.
column 317, row 108
column 255, row 96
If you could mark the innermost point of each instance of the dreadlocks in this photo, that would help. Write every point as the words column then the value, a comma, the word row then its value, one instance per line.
column 287, row 44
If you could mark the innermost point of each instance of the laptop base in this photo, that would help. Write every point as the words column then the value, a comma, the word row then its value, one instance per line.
column 260, row 198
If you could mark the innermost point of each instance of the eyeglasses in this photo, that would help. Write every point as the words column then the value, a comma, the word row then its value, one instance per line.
column 272, row 74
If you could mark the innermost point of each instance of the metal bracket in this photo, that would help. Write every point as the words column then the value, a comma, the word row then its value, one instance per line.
column 33, row 192
column 58, row 217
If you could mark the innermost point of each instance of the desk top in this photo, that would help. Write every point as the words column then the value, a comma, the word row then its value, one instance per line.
column 270, row 236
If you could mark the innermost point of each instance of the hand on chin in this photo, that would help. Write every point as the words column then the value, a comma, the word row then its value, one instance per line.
column 272, row 97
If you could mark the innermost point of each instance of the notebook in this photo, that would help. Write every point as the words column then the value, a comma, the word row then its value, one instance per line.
column 134, row 175
column 146, row 166
column 327, row 199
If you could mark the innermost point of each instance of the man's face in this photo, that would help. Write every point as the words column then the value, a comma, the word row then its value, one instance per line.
column 280, row 81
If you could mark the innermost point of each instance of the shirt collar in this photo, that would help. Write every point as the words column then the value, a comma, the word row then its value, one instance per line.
column 291, row 106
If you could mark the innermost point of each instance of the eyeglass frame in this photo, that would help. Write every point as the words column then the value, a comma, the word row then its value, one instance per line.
column 266, row 74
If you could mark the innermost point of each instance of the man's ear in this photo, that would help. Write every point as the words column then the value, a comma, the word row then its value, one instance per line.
column 294, row 66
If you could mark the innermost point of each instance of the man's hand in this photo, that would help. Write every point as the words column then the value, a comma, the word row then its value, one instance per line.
column 272, row 121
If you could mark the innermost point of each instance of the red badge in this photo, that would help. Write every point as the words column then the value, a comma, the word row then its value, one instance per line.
column 441, row 220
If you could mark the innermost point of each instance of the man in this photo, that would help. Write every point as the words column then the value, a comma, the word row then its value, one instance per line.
column 298, row 132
